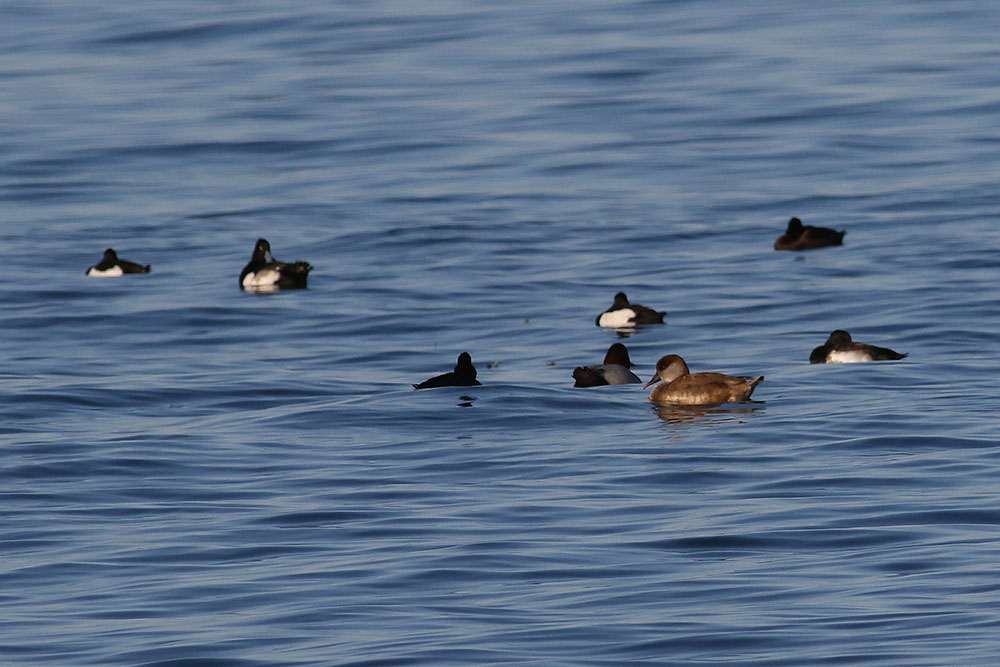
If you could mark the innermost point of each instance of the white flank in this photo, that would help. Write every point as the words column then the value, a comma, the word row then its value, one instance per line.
column 114, row 271
column 617, row 318
column 264, row 278
column 262, row 281
column 849, row 357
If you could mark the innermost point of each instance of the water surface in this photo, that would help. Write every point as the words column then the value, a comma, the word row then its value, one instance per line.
column 197, row 475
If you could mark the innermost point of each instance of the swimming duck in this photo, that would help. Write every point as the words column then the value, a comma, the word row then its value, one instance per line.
column 840, row 349
column 682, row 386
column 799, row 237
column 110, row 265
column 614, row 370
column 625, row 314
column 263, row 273
column 464, row 375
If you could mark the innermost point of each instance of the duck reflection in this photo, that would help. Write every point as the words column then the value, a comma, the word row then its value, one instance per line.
column 688, row 414
column 622, row 333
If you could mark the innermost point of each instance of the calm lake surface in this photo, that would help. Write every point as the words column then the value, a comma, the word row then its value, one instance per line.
column 195, row 475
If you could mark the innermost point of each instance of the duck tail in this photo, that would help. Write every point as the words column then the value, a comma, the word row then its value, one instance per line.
column 301, row 268
column 587, row 378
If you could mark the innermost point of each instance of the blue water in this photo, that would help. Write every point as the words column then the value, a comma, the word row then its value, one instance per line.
column 194, row 475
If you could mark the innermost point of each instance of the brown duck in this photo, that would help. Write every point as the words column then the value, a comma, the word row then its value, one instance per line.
column 680, row 385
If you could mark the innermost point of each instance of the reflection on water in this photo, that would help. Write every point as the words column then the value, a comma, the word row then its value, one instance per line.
column 629, row 331
column 262, row 289
column 684, row 414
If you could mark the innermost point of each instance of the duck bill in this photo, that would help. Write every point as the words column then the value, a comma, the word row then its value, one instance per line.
column 656, row 378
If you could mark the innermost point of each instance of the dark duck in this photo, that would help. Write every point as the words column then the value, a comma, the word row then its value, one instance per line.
column 111, row 265
column 806, row 237
column 625, row 314
column 464, row 375
column 263, row 273
column 840, row 349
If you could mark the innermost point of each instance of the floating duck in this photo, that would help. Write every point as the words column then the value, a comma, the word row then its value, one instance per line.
column 263, row 273
column 682, row 386
column 840, row 349
column 799, row 237
column 625, row 314
column 110, row 266
column 614, row 370
column 464, row 375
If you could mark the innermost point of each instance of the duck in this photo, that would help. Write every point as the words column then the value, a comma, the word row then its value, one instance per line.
column 840, row 349
column 799, row 237
column 614, row 370
column 111, row 265
column 681, row 386
column 625, row 314
column 464, row 375
column 263, row 273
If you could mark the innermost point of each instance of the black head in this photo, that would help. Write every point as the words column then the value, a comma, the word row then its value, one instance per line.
column 838, row 337
column 794, row 227
column 464, row 367
column 262, row 251
column 621, row 300
column 110, row 256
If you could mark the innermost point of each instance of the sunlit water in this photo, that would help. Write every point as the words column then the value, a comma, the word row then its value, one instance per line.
column 195, row 475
